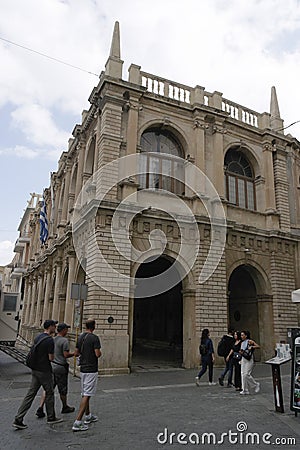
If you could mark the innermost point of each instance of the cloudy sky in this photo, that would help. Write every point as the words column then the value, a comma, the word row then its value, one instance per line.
column 238, row 47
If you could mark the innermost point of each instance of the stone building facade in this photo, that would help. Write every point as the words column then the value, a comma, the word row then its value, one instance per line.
column 96, row 209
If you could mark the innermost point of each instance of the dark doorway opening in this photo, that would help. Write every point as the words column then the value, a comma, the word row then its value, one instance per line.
column 158, row 319
column 243, row 304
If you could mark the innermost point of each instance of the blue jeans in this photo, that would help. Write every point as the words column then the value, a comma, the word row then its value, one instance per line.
column 206, row 361
column 229, row 369
column 38, row 379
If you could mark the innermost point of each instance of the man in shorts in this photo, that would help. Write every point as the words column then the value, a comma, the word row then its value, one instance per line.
column 88, row 348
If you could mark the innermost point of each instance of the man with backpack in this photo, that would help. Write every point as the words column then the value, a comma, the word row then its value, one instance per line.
column 224, row 347
column 42, row 353
column 60, row 369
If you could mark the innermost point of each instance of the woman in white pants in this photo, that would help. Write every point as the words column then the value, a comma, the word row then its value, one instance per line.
column 247, row 365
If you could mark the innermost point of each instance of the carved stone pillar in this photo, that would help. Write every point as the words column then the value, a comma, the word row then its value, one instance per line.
column 64, row 213
column 27, row 301
column 71, row 277
column 269, row 178
column 190, row 353
column 55, row 308
column 266, row 326
column 37, row 321
column 33, row 300
column 218, row 159
column 81, row 153
column 199, row 144
column 48, row 280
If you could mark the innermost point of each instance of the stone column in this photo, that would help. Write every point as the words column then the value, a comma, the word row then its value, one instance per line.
column 64, row 213
column 55, row 308
column 132, row 125
column 80, row 159
column 269, row 178
column 37, row 321
column 45, row 315
column 27, row 300
column 190, row 353
column 218, row 159
column 71, row 278
column 199, row 143
column 33, row 300
column 266, row 326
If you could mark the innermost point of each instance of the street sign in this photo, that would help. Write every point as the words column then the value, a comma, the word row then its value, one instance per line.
column 79, row 291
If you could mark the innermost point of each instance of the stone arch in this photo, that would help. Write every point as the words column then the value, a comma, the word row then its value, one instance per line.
column 89, row 158
column 250, row 304
column 73, row 187
column 187, row 327
column 172, row 128
column 249, row 153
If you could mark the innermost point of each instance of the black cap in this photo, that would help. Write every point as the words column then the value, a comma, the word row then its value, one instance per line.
column 62, row 326
column 49, row 323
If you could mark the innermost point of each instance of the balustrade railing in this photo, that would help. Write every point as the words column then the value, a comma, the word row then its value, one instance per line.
column 238, row 112
column 180, row 92
column 166, row 88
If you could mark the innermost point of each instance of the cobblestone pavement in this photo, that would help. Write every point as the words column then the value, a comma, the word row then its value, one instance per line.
column 134, row 409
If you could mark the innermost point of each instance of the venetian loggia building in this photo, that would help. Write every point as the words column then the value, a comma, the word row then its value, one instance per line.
column 180, row 210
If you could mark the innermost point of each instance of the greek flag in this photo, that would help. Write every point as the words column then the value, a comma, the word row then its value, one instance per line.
column 43, row 223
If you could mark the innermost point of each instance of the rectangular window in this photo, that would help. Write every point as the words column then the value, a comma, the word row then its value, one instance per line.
column 143, row 171
column 167, row 173
column 241, row 193
column 154, row 173
column 232, row 189
column 10, row 302
column 250, row 195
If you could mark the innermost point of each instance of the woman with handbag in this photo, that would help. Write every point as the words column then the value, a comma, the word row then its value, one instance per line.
column 236, row 356
column 247, row 362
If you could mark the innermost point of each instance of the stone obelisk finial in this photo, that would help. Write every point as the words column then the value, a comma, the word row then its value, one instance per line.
column 276, row 121
column 114, row 64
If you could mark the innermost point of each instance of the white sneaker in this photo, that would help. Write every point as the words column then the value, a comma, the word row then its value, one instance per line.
column 197, row 381
column 212, row 383
column 257, row 388
column 244, row 393
column 90, row 419
column 79, row 427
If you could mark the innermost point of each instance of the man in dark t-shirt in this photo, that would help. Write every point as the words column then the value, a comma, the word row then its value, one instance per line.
column 88, row 347
column 41, row 375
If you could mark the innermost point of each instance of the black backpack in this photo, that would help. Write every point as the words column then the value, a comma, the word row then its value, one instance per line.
column 203, row 349
column 222, row 347
column 31, row 357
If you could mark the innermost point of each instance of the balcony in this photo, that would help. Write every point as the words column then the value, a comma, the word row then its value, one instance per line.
column 18, row 270
column 21, row 242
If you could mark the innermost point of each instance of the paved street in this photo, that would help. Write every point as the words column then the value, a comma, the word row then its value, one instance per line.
column 134, row 409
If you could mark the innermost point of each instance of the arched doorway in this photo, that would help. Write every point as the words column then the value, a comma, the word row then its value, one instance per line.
column 250, row 307
column 157, row 320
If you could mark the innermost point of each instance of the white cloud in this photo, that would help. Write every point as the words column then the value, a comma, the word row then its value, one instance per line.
column 38, row 126
column 6, row 252
column 20, row 151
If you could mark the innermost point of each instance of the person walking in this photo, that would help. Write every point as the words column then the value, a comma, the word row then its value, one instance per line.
column 248, row 346
column 207, row 357
column 88, row 348
column 60, row 369
column 41, row 375
column 236, row 359
column 228, row 342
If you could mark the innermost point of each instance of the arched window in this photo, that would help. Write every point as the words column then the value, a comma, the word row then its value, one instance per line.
column 239, row 180
column 161, row 162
